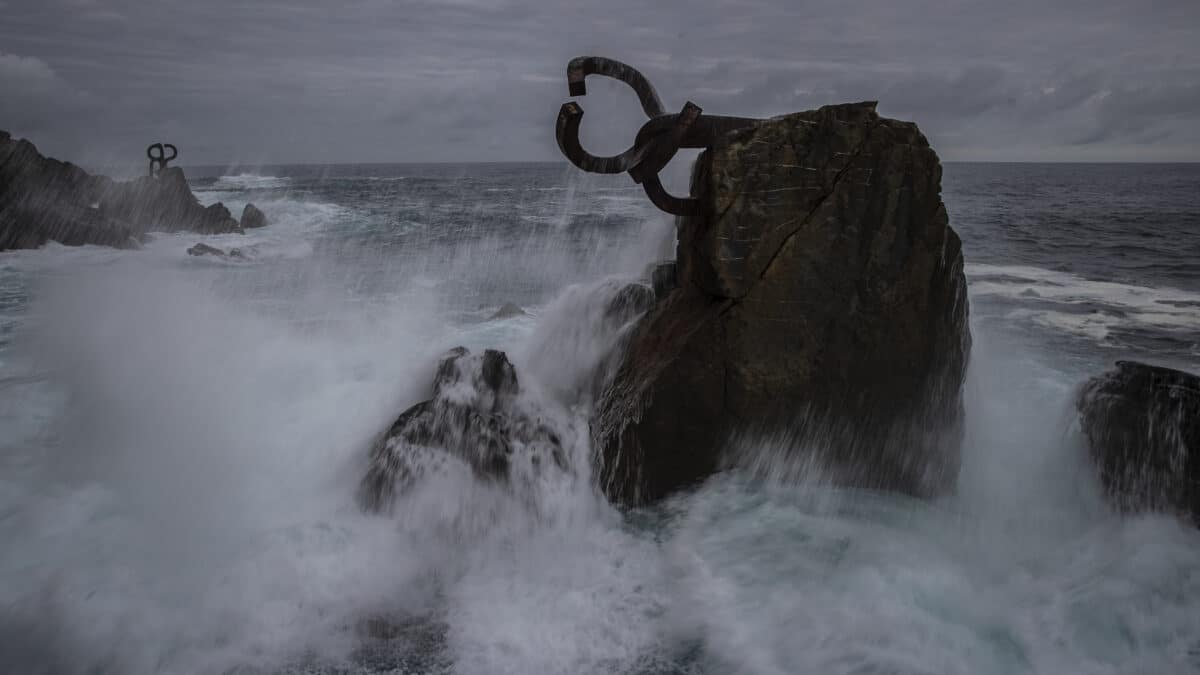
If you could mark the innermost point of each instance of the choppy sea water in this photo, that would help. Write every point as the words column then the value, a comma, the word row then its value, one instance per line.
column 181, row 439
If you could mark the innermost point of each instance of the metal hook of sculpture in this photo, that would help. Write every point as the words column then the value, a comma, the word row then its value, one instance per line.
column 581, row 66
column 657, row 141
column 158, row 162
column 571, row 113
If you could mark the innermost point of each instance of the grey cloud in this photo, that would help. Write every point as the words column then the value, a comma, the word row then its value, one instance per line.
column 35, row 98
column 384, row 80
column 1144, row 114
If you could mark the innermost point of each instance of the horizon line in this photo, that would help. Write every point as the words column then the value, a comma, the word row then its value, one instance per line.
column 227, row 165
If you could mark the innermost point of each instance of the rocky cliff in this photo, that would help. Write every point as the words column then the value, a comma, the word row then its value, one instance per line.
column 43, row 199
column 821, row 292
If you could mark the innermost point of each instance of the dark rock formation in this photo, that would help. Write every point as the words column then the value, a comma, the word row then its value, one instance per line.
column 43, row 199
column 205, row 249
column 820, row 292
column 628, row 303
column 664, row 278
column 164, row 203
column 474, row 417
column 1142, row 423
column 507, row 310
column 252, row 217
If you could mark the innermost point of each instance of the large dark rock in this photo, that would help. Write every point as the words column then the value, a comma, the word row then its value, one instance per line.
column 43, row 199
column 474, row 416
column 1142, row 423
column 820, row 293
column 164, row 203
column 253, row 217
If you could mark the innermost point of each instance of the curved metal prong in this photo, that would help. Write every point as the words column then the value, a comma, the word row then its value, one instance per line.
column 668, row 202
column 699, row 135
column 581, row 66
column 664, row 146
column 174, row 152
column 566, row 132
column 156, row 160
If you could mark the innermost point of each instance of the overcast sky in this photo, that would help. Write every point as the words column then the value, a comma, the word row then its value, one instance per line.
column 262, row 81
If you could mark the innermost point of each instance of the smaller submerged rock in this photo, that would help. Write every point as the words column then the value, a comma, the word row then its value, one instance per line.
column 475, row 417
column 1142, row 423
column 252, row 217
column 205, row 249
column 508, row 310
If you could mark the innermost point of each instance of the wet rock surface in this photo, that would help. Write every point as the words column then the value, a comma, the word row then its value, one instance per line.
column 633, row 299
column 43, row 199
column 507, row 310
column 822, row 293
column 202, row 249
column 1142, row 423
column 253, row 217
column 475, row 416
column 164, row 203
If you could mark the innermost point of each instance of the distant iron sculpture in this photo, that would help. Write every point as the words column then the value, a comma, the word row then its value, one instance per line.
column 657, row 141
column 158, row 157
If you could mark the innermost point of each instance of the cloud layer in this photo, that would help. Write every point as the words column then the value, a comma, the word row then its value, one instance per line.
column 376, row 80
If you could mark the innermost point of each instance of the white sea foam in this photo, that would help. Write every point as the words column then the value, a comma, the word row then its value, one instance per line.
column 181, row 440
column 1100, row 306
column 250, row 181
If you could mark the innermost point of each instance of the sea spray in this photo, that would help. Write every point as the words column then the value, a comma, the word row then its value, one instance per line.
column 315, row 347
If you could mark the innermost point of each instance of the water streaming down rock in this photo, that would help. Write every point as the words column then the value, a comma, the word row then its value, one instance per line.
column 821, row 289
column 476, row 415
column 1143, row 426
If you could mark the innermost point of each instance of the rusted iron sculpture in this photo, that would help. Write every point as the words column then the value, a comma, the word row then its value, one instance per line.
column 158, row 162
column 657, row 141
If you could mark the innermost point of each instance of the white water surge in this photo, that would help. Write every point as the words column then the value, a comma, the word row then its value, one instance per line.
column 182, row 440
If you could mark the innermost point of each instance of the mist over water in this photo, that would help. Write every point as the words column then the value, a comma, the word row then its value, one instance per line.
column 181, row 440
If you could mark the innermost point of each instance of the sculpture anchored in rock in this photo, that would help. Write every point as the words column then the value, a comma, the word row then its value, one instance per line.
column 656, row 142
column 158, row 157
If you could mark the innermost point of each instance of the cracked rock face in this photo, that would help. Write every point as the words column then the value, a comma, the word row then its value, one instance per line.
column 822, row 295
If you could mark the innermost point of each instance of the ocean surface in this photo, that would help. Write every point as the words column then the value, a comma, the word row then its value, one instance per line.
column 181, row 439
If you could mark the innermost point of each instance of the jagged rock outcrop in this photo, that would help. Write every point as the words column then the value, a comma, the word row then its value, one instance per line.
column 476, row 417
column 1142, row 424
column 43, row 199
column 164, row 203
column 821, row 292
column 253, row 217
